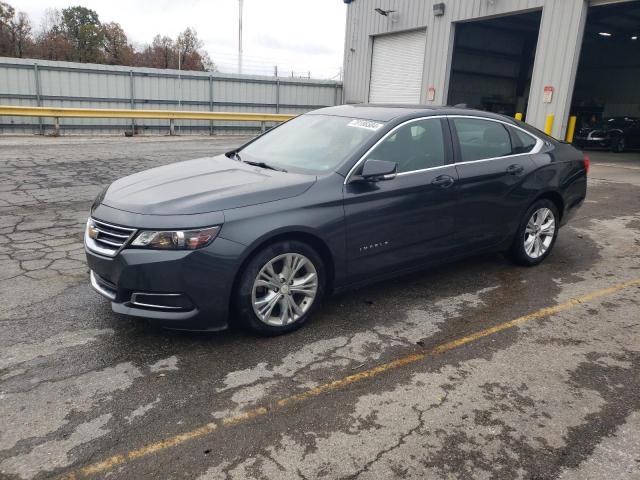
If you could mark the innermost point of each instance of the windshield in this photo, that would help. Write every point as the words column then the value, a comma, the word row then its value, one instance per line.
column 611, row 123
column 310, row 143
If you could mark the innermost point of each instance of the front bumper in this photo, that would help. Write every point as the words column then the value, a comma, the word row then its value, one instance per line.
column 186, row 290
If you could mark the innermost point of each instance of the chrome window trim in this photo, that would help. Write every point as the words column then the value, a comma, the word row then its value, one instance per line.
column 387, row 135
column 468, row 162
column 425, row 169
column 536, row 149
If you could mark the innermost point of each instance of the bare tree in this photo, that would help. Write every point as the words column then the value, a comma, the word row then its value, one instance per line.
column 76, row 34
column 50, row 41
column 189, row 47
column 21, row 34
column 15, row 32
column 117, row 50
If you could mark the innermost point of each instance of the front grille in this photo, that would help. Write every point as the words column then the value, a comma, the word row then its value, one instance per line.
column 105, row 238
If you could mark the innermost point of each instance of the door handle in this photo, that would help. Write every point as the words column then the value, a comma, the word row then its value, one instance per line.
column 444, row 181
column 515, row 169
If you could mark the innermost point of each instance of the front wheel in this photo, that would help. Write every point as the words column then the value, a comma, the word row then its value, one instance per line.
column 280, row 288
column 618, row 145
column 536, row 235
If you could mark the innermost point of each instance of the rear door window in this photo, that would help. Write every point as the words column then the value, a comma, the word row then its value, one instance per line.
column 481, row 139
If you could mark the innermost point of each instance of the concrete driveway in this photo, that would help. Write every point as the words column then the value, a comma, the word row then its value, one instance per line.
column 479, row 369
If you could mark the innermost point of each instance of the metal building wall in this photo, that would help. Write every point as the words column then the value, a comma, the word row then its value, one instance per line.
column 557, row 54
column 65, row 84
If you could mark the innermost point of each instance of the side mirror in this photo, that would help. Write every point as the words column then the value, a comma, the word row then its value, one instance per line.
column 376, row 170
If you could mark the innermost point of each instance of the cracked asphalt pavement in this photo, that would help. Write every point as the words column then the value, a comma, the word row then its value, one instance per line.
column 85, row 393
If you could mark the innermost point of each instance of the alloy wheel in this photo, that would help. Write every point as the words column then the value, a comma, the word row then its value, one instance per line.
column 284, row 289
column 539, row 233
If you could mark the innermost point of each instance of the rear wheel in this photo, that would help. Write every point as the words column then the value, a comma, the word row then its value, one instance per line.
column 537, row 234
column 280, row 288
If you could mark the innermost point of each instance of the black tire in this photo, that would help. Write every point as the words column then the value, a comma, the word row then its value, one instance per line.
column 517, row 253
column 618, row 145
column 243, row 301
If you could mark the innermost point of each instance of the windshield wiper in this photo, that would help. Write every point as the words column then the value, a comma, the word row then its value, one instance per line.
column 236, row 155
column 263, row 165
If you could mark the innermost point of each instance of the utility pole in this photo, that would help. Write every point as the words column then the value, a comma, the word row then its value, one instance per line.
column 240, row 2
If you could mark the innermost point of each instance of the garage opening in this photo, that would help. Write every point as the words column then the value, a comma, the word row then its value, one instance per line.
column 396, row 67
column 606, row 98
column 492, row 63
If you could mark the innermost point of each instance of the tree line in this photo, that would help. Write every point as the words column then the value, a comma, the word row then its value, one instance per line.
column 76, row 34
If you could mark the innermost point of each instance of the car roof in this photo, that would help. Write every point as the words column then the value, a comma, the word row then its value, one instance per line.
column 388, row 112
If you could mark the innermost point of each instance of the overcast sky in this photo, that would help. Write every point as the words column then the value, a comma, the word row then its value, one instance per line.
column 294, row 34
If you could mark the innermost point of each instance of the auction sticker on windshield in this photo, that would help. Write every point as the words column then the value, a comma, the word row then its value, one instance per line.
column 368, row 124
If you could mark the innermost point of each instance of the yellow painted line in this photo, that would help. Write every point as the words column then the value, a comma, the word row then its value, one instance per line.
column 243, row 417
column 152, row 448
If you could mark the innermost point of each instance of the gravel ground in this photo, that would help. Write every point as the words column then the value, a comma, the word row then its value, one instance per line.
column 390, row 381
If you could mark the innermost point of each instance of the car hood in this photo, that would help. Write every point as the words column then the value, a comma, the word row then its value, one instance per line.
column 202, row 185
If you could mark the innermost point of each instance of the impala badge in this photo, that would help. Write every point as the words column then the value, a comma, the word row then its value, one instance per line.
column 366, row 248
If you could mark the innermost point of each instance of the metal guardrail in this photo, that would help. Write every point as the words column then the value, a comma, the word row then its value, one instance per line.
column 171, row 115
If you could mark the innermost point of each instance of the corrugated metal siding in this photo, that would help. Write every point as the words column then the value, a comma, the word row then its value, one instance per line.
column 557, row 54
column 556, row 63
column 66, row 84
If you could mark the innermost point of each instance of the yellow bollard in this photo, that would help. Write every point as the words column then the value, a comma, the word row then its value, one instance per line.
column 571, row 128
column 519, row 116
column 548, row 125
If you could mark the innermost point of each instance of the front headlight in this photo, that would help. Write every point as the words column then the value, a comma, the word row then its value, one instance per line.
column 176, row 239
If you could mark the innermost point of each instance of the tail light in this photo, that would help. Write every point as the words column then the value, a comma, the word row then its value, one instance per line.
column 587, row 163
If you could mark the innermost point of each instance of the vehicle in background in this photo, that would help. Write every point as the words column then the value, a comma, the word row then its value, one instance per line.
column 330, row 200
column 617, row 134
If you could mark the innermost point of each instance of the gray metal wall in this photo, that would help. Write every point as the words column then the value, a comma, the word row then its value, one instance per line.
column 65, row 84
column 556, row 61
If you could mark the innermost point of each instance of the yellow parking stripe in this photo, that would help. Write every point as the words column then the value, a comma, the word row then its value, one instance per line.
column 152, row 448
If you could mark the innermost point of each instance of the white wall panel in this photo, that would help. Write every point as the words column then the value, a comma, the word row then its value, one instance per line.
column 397, row 65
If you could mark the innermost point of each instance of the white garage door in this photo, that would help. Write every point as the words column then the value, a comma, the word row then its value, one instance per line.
column 396, row 67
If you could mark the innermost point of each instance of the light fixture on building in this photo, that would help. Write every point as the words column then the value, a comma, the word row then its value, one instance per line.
column 635, row 37
column 438, row 9
column 604, row 34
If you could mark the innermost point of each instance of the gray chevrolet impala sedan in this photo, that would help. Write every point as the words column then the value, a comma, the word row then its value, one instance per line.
column 330, row 200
